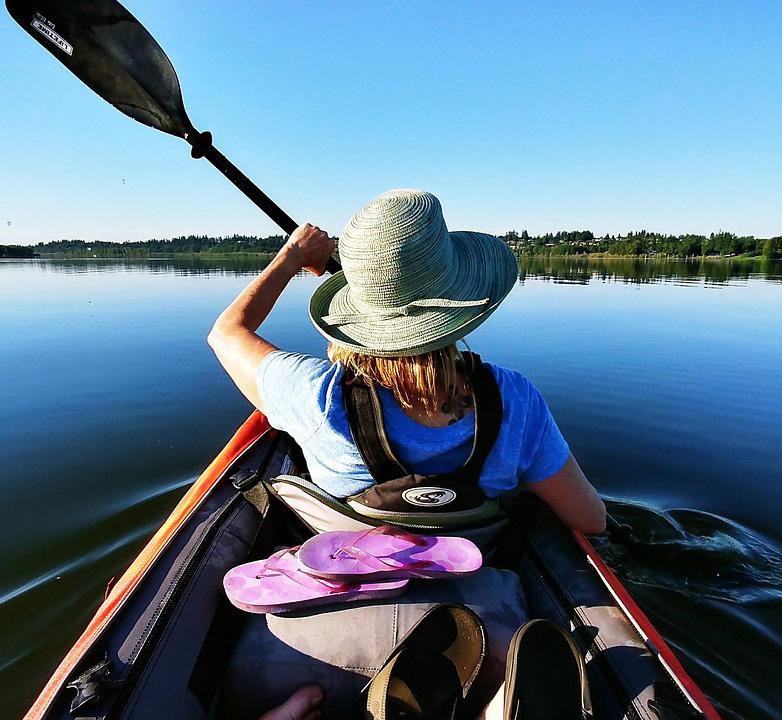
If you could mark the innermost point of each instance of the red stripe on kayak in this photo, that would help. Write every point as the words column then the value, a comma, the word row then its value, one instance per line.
column 654, row 637
column 255, row 426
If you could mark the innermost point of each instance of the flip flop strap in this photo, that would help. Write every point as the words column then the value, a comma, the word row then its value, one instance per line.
column 378, row 563
column 400, row 533
column 271, row 569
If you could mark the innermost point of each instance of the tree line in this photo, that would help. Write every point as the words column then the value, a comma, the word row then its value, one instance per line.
column 146, row 248
column 16, row 251
column 584, row 242
column 573, row 242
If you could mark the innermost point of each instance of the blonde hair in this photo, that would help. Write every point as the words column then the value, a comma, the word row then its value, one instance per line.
column 416, row 379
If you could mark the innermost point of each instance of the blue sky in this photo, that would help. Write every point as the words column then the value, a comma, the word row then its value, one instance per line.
column 560, row 115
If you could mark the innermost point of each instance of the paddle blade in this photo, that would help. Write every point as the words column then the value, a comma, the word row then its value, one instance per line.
column 101, row 43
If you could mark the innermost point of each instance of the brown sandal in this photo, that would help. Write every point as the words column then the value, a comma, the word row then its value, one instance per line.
column 430, row 671
column 545, row 677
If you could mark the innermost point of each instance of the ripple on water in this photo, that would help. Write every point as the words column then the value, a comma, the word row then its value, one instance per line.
column 713, row 588
column 42, row 613
column 697, row 554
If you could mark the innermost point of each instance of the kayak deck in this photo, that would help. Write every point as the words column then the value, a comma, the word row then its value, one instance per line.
column 168, row 636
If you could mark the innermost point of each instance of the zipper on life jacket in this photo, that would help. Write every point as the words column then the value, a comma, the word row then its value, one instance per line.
column 489, row 511
column 343, row 508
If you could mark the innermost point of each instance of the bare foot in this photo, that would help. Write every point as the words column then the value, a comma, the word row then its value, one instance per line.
column 304, row 704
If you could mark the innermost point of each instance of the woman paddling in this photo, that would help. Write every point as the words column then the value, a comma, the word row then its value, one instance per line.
column 410, row 289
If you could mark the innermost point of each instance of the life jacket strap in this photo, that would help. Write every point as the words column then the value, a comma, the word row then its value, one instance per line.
column 365, row 418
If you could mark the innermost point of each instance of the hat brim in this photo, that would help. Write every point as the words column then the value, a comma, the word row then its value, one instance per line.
column 483, row 267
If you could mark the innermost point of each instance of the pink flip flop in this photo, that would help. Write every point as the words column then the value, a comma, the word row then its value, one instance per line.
column 278, row 585
column 387, row 552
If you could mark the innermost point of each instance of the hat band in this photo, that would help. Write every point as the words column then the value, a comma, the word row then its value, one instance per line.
column 402, row 311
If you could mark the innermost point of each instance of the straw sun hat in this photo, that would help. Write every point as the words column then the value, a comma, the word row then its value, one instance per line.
column 408, row 285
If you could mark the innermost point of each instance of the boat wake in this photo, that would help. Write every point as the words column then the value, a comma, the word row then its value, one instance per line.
column 713, row 588
column 132, row 517
column 43, row 612
column 694, row 553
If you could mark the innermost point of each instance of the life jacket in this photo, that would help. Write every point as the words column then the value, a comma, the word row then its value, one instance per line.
column 454, row 497
column 447, row 503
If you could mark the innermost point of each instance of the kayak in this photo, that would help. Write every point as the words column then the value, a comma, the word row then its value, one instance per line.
column 160, row 644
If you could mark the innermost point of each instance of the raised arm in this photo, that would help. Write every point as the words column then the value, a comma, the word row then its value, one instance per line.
column 572, row 497
column 233, row 336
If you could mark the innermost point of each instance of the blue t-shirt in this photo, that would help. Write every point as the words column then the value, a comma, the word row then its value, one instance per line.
column 302, row 395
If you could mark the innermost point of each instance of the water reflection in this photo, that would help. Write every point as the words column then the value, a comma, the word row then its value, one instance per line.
column 184, row 264
column 583, row 270
column 571, row 270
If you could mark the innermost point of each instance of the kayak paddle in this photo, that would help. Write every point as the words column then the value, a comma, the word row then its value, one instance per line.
column 111, row 52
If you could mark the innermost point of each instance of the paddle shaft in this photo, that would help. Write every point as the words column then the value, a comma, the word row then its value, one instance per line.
column 251, row 190
column 202, row 147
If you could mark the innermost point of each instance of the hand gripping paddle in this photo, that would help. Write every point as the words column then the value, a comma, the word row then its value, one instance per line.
column 111, row 52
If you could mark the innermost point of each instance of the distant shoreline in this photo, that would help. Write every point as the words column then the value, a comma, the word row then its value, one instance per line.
column 153, row 256
column 520, row 255
column 570, row 243
column 652, row 249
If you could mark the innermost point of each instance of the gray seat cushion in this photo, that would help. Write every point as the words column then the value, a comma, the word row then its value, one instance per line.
column 341, row 647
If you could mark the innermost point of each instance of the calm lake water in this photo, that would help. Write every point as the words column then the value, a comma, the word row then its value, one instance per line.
column 666, row 378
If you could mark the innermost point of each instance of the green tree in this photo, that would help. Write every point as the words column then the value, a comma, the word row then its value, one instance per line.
column 15, row 251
